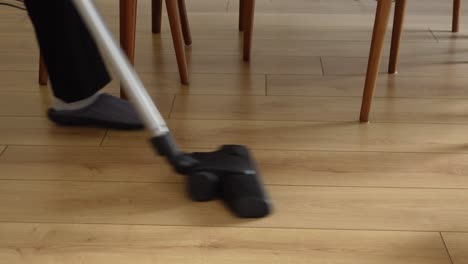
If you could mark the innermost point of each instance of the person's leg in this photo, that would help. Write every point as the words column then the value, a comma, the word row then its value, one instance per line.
column 71, row 55
column 76, row 69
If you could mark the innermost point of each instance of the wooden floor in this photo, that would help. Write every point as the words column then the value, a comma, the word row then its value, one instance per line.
column 392, row 191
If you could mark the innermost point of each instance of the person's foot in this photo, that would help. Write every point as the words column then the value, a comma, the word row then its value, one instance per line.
column 106, row 111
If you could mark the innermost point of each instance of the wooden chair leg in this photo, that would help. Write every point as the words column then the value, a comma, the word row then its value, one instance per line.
column 400, row 9
column 156, row 14
column 241, row 15
column 378, row 36
column 43, row 74
column 185, row 23
column 174, row 21
column 456, row 15
column 249, row 13
column 128, row 13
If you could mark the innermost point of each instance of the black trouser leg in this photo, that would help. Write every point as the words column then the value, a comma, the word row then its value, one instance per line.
column 74, row 63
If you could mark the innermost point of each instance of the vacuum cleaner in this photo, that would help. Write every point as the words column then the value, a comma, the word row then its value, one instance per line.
column 228, row 173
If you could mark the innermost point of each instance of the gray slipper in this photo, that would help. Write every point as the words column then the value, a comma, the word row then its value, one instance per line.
column 107, row 112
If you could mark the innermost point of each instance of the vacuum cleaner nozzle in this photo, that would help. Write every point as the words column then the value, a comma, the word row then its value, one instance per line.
column 229, row 173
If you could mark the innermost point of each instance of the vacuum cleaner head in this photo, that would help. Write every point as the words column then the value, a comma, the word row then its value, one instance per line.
column 229, row 173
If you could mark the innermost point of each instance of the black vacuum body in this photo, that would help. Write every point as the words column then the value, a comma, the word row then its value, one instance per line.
column 229, row 173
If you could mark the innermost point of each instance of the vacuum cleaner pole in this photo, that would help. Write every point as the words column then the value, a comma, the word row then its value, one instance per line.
column 116, row 59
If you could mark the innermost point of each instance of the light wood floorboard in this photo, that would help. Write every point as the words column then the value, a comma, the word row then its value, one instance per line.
column 58, row 243
column 392, row 191
column 457, row 243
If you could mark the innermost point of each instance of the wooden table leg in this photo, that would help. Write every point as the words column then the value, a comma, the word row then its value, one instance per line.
column 185, row 23
column 378, row 36
column 128, row 14
column 156, row 14
column 456, row 15
column 43, row 74
column 249, row 13
column 398, row 21
column 177, row 38
column 241, row 15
